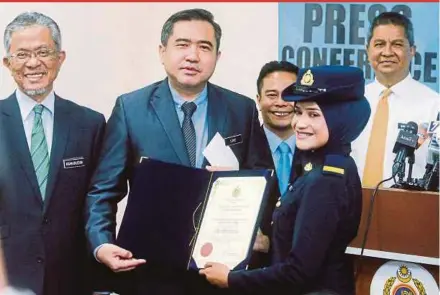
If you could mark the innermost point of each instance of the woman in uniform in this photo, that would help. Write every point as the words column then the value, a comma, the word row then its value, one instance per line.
column 320, row 214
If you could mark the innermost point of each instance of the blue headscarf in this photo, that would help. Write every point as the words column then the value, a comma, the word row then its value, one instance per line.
column 339, row 92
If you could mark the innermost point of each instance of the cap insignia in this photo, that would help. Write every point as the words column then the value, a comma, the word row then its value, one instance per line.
column 307, row 78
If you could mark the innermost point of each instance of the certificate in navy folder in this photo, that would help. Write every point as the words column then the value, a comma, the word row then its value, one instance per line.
column 179, row 217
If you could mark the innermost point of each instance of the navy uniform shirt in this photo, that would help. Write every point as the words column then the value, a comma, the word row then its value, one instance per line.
column 312, row 227
column 320, row 215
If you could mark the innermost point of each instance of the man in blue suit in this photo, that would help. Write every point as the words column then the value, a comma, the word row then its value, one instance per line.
column 48, row 153
column 171, row 120
column 277, row 114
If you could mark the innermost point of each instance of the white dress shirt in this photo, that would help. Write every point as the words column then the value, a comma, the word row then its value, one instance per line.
column 27, row 105
column 199, row 119
column 410, row 100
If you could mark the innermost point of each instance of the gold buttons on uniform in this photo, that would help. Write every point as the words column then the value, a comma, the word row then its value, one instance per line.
column 308, row 167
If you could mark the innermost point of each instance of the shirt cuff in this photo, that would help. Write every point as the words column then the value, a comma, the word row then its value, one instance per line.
column 96, row 251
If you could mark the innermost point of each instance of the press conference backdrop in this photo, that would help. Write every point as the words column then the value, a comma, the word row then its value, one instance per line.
column 312, row 34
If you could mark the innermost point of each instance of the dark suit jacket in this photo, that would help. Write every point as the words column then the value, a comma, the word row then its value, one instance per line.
column 145, row 123
column 260, row 259
column 44, row 242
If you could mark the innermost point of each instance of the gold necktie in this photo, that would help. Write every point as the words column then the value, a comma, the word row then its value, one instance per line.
column 373, row 171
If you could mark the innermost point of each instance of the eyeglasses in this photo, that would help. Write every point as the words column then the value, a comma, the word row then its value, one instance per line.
column 43, row 54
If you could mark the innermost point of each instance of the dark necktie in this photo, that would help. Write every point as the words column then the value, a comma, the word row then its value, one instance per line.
column 189, row 133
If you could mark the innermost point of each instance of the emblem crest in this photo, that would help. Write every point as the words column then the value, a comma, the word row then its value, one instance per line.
column 236, row 192
column 307, row 78
column 403, row 284
column 308, row 167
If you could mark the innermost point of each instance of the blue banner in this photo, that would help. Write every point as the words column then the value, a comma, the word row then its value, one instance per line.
column 313, row 34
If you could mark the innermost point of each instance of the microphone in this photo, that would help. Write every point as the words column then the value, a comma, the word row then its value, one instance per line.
column 433, row 129
column 405, row 145
column 430, row 180
column 433, row 151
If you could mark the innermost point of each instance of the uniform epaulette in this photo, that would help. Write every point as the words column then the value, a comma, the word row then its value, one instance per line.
column 334, row 165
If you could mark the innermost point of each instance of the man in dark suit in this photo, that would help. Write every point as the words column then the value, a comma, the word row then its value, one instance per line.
column 172, row 121
column 50, row 146
column 277, row 116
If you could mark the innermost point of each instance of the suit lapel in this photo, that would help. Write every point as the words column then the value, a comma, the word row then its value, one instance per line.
column 13, row 125
column 217, row 112
column 267, row 146
column 217, row 115
column 61, row 128
column 163, row 105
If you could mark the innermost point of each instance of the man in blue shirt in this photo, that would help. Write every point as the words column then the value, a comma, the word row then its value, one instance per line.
column 277, row 116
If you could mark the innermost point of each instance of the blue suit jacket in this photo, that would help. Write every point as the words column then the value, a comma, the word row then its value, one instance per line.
column 145, row 123
column 44, row 242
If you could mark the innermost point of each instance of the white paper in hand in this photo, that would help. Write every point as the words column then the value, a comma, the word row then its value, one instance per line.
column 218, row 154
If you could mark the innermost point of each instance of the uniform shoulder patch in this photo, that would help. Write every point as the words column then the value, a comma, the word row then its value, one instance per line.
column 334, row 165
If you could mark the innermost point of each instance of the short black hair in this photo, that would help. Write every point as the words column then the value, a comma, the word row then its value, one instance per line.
column 189, row 15
column 396, row 19
column 275, row 66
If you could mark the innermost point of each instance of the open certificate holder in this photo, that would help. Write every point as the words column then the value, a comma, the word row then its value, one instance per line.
column 229, row 221
column 178, row 217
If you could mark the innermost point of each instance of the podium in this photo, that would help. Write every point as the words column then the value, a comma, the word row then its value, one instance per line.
column 404, row 226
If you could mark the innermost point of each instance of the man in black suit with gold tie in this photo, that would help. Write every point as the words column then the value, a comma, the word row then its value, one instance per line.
column 51, row 146
column 171, row 120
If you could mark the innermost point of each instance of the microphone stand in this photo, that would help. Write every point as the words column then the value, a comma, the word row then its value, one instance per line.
column 400, row 171
column 411, row 161
column 432, row 181
column 410, row 183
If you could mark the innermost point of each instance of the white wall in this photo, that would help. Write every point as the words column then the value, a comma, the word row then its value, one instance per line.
column 112, row 48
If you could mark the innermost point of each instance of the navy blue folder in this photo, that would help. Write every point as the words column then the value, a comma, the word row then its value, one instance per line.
column 164, row 208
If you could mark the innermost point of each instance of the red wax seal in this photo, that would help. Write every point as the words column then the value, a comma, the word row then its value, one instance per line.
column 206, row 249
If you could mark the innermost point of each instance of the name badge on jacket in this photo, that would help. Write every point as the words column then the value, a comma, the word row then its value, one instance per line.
column 74, row 162
column 234, row 139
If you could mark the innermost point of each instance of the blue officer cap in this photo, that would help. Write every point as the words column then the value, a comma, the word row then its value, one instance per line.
column 324, row 84
column 339, row 92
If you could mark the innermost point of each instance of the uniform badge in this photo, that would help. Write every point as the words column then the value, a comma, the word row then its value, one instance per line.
column 333, row 169
column 308, row 167
column 307, row 78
